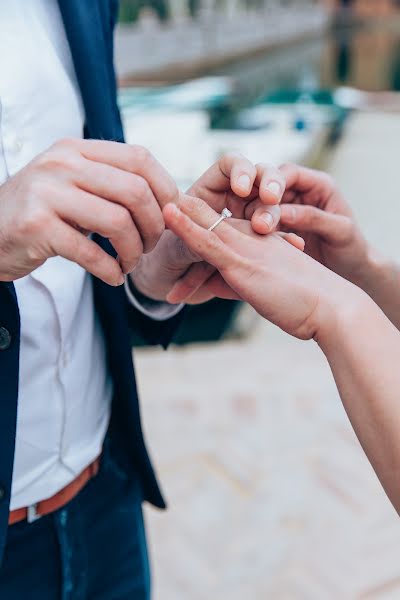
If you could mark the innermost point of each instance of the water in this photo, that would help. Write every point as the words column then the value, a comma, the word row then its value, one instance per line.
column 366, row 58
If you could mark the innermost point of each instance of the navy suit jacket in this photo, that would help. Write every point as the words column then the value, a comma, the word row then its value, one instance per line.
column 89, row 26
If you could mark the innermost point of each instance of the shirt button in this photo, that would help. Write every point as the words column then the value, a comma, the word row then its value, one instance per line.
column 5, row 338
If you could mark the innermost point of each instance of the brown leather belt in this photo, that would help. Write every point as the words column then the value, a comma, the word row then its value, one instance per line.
column 45, row 507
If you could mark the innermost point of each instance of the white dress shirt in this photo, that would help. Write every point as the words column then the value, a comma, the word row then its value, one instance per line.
column 64, row 386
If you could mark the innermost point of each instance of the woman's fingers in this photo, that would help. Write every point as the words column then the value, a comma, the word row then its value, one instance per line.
column 309, row 219
column 293, row 239
column 240, row 172
column 265, row 219
column 243, row 176
column 271, row 183
column 317, row 186
column 201, row 274
column 264, row 211
column 202, row 214
column 192, row 228
column 231, row 171
column 198, row 274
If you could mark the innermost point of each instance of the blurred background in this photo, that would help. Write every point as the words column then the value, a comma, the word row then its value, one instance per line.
column 270, row 494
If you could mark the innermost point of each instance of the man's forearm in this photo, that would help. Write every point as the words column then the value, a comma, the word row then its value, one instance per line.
column 363, row 350
column 380, row 279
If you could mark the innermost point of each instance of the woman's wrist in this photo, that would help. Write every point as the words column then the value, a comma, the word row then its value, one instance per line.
column 341, row 314
column 373, row 272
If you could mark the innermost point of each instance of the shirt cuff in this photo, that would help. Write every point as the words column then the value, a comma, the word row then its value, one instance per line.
column 154, row 309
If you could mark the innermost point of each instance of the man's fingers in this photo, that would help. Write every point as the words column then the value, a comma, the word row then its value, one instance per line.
column 136, row 160
column 265, row 220
column 193, row 231
column 217, row 287
column 194, row 278
column 130, row 191
column 271, row 183
column 112, row 221
column 333, row 228
column 74, row 246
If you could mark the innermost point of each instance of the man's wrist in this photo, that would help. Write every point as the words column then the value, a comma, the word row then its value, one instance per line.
column 140, row 280
column 157, row 310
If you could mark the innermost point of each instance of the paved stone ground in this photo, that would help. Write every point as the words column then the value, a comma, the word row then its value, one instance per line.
column 270, row 495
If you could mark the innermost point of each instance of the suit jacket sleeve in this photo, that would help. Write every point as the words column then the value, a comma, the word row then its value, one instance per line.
column 147, row 331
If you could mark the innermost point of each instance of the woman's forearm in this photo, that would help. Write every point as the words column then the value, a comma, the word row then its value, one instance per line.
column 363, row 350
column 381, row 280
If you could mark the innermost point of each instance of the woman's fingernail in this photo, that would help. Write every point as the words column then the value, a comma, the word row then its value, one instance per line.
column 275, row 188
column 290, row 214
column 174, row 209
column 244, row 182
column 268, row 219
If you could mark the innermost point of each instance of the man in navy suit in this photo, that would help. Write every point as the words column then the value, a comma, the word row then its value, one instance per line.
column 84, row 259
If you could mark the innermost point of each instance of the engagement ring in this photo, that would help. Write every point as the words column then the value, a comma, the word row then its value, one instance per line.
column 226, row 214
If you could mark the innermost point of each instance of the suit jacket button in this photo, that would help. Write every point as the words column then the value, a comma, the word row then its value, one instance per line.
column 5, row 338
column 2, row 493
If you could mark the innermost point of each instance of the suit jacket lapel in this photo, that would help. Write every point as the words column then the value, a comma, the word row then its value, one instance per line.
column 85, row 23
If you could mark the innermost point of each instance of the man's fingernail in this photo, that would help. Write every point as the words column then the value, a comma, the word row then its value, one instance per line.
column 268, row 219
column 172, row 299
column 244, row 182
column 275, row 188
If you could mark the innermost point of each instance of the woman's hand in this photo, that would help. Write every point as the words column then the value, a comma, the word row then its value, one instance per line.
column 284, row 285
column 250, row 192
column 307, row 300
column 313, row 206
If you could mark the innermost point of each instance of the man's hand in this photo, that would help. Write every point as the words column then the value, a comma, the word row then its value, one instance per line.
column 313, row 207
column 250, row 192
column 79, row 187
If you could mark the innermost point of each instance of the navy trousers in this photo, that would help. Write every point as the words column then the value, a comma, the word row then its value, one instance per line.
column 94, row 548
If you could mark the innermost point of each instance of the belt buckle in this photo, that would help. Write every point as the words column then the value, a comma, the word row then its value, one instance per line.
column 32, row 513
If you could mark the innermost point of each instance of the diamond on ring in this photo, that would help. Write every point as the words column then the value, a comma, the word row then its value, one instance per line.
column 225, row 214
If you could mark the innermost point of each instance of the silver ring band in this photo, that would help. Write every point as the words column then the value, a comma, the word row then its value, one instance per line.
column 226, row 214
